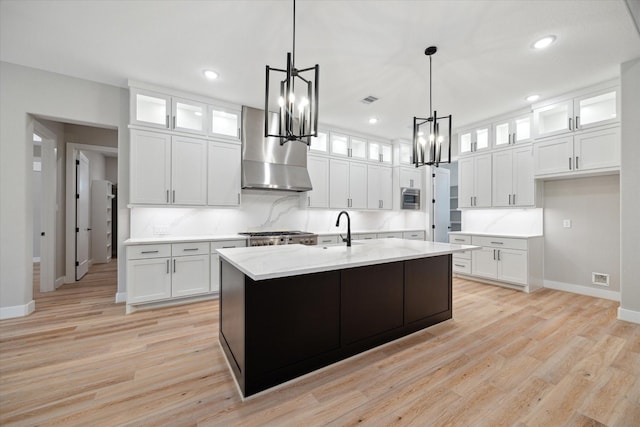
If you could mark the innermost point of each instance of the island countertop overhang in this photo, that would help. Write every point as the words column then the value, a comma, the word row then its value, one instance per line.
column 270, row 262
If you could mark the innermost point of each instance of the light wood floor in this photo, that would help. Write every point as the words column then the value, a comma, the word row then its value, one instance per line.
column 507, row 358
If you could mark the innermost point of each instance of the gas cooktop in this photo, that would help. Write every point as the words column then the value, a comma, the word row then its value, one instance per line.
column 285, row 237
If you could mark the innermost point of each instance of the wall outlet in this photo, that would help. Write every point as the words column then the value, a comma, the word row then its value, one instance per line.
column 566, row 223
column 160, row 230
column 601, row 279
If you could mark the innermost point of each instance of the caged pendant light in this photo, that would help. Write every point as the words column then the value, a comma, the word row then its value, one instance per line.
column 297, row 99
column 428, row 139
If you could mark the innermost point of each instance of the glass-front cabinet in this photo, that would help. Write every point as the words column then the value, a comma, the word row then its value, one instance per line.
column 188, row 116
column 584, row 112
column 358, row 148
column 380, row 152
column 473, row 140
column 319, row 143
column 224, row 122
column 343, row 145
column 512, row 131
column 150, row 109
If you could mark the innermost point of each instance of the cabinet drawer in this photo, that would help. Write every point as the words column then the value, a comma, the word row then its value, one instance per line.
column 224, row 244
column 365, row 236
column 181, row 249
column 413, row 235
column 500, row 242
column 461, row 265
column 148, row 251
column 328, row 240
column 462, row 255
column 389, row 235
column 460, row 239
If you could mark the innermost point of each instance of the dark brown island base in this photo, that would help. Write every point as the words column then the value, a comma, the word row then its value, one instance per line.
column 277, row 329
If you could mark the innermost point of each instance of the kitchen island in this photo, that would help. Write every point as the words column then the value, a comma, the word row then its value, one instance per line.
column 289, row 310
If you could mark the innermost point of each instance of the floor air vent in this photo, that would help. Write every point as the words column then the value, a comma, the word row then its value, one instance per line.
column 600, row 279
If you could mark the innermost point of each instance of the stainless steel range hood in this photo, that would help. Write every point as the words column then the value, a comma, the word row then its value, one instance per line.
column 265, row 163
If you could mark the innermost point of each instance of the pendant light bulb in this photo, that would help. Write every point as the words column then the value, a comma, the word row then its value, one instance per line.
column 440, row 138
column 432, row 137
column 281, row 101
column 292, row 97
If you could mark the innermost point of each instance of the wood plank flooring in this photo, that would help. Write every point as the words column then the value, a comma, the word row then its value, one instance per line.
column 505, row 359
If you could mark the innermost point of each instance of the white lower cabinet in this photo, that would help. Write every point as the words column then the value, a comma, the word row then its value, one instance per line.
column 516, row 262
column 190, row 275
column 413, row 235
column 215, row 259
column 148, row 280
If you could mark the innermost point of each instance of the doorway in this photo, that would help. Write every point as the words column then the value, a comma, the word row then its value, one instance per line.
column 440, row 206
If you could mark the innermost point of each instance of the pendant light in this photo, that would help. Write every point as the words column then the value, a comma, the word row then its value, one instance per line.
column 297, row 99
column 429, row 140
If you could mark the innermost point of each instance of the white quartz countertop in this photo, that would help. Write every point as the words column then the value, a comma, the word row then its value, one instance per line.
column 343, row 231
column 182, row 239
column 269, row 262
column 514, row 235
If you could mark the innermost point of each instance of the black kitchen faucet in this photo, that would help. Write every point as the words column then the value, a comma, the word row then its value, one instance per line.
column 348, row 239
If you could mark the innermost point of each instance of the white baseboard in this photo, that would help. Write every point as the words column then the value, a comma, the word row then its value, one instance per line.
column 36, row 259
column 59, row 282
column 121, row 297
column 583, row 290
column 628, row 315
column 17, row 310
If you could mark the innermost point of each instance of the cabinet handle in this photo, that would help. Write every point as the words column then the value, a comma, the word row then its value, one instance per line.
column 514, row 198
column 475, row 201
column 497, row 243
column 510, row 136
column 380, row 156
column 167, row 196
column 570, row 163
column 174, row 265
column 577, row 122
column 174, row 196
column 570, row 127
column 238, row 198
column 458, row 240
column 349, row 152
column 459, row 265
column 494, row 254
column 174, row 122
column 577, row 163
column 167, row 122
column 498, row 254
column 149, row 252
column 308, row 200
column 509, row 199
column 190, row 249
column 167, row 266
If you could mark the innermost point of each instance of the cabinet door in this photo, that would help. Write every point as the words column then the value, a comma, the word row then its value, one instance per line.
column 358, row 185
column 386, row 153
column 502, row 178
column 512, row 265
column 224, row 168
column 150, row 108
column 215, row 273
column 319, row 143
column 188, row 171
column 553, row 119
column 358, row 148
column 410, row 177
column 224, row 122
column 484, row 263
column 188, row 116
column 597, row 149
column 148, row 280
column 465, row 142
column 521, row 129
column 523, row 180
column 482, row 141
column 374, row 180
column 190, row 275
column 466, row 182
column 553, row 156
column 502, row 133
column 596, row 109
column 339, row 144
column 386, row 188
column 482, row 177
column 318, row 168
column 406, row 154
column 338, row 183
column 150, row 167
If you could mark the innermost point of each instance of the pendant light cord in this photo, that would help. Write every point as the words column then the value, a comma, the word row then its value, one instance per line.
column 293, row 58
column 430, row 96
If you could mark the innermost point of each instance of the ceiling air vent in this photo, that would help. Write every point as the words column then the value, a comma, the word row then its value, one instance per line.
column 369, row 100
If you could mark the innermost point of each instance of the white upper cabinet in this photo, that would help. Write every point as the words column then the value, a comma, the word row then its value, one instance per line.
column 318, row 168
column 513, row 182
column 380, row 152
column 512, row 131
column 405, row 154
column 344, row 145
column 224, row 122
column 347, row 184
column 477, row 139
column 150, row 108
column 584, row 112
column 410, row 177
column 474, row 181
column 188, row 116
column 379, row 187
column 224, row 177
column 150, row 167
column 188, row 171
column 320, row 143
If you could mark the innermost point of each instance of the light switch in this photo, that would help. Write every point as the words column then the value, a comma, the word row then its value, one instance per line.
column 566, row 223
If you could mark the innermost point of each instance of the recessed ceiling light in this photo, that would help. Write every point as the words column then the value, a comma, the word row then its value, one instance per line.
column 544, row 42
column 373, row 120
column 210, row 74
column 532, row 98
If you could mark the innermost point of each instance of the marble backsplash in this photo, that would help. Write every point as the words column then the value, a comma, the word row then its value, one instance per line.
column 503, row 221
column 263, row 211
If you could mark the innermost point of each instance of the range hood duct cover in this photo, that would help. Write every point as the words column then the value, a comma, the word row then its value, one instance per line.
column 265, row 163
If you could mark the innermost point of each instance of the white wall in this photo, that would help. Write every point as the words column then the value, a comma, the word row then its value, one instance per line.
column 27, row 92
column 111, row 169
column 630, row 192
column 592, row 244
column 37, row 207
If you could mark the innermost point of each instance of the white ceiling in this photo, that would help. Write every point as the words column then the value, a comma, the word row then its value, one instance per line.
column 484, row 65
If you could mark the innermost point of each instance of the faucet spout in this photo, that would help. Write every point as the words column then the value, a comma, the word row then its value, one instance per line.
column 348, row 239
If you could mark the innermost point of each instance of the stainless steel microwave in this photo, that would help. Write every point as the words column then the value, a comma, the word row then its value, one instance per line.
column 410, row 198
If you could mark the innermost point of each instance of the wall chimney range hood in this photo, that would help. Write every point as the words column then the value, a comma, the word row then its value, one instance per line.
column 266, row 164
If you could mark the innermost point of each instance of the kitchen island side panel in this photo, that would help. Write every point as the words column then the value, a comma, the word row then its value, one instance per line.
column 426, row 292
column 232, row 319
